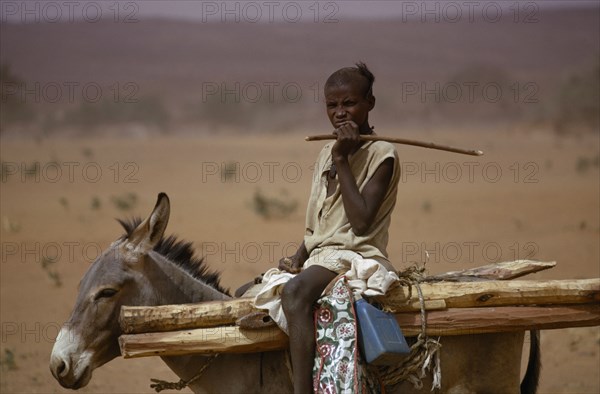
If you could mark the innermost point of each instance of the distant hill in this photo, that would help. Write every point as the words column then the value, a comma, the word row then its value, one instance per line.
column 187, row 65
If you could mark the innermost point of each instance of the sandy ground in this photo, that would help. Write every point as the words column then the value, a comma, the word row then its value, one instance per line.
column 530, row 196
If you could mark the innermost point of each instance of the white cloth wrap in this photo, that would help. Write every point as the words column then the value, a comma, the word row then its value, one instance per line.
column 366, row 277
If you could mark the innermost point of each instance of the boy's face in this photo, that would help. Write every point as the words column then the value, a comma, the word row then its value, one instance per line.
column 347, row 102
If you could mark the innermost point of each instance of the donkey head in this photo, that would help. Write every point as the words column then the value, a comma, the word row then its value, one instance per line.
column 89, row 338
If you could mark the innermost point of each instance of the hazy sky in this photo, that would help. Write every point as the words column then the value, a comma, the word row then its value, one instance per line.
column 35, row 11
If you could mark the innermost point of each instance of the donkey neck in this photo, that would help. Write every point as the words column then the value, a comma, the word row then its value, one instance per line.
column 177, row 286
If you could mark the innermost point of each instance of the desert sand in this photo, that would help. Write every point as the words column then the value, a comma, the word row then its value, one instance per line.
column 531, row 195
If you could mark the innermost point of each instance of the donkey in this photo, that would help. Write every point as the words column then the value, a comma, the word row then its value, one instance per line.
column 144, row 268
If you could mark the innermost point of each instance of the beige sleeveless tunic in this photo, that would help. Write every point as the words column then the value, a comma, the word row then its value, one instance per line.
column 328, row 227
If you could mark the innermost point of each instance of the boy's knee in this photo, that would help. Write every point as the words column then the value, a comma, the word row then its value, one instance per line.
column 302, row 291
column 294, row 296
column 289, row 294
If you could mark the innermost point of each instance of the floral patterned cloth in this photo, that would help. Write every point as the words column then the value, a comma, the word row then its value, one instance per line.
column 339, row 367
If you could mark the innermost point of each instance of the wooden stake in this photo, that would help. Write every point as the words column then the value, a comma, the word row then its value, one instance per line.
column 402, row 141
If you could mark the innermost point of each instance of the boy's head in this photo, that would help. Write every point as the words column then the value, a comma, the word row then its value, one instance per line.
column 360, row 75
column 349, row 96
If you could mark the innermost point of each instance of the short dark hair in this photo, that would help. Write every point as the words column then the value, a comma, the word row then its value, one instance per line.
column 347, row 74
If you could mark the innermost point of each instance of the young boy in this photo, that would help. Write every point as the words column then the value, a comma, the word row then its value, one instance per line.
column 353, row 194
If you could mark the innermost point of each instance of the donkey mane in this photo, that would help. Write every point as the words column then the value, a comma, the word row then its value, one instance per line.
column 180, row 253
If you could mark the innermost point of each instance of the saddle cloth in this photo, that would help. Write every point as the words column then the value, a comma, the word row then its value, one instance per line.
column 339, row 367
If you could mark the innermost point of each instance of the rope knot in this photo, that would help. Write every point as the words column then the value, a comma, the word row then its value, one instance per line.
column 160, row 385
column 424, row 353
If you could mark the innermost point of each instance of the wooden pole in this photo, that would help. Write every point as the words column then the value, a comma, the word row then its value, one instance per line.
column 464, row 321
column 229, row 339
column 402, row 141
column 439, row 295
column 496, row 293
column 456, row 321
column 136, row 319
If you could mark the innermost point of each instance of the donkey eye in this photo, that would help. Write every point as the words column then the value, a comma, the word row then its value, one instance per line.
column 105, row 293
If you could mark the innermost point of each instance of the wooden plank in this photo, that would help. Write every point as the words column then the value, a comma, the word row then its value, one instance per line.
column 461, row 321
column 498, row 271
column 437, row 296
column 229, row 339
column 137, row 319
column 496, row 293
column 458, row 321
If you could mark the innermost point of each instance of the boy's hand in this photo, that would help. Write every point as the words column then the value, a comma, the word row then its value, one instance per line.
column 290, row 264
column 348, row 140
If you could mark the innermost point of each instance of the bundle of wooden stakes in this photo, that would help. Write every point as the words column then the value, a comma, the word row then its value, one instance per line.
column 465, row 302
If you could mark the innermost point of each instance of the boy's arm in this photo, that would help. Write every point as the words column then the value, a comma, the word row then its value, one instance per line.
column 360, row 208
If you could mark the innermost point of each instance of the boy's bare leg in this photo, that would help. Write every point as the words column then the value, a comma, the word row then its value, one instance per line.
column 297, row 298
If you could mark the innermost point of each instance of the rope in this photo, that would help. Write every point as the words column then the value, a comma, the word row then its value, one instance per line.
column 424, row 353
column 160, row 385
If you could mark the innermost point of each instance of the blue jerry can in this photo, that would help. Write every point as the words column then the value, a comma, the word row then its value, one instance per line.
column 379, row 336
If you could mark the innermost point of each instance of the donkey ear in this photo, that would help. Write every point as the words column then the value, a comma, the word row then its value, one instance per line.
column 150, row 231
